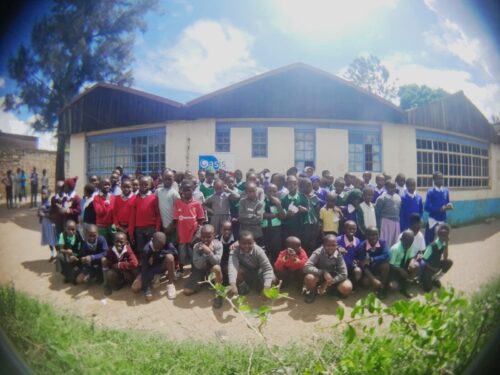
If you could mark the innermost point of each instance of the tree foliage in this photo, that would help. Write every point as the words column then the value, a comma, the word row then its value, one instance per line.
column 412, row 96
column 369, row 74
column 80, row 42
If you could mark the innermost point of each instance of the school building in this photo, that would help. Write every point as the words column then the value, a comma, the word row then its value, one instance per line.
column 296, row 115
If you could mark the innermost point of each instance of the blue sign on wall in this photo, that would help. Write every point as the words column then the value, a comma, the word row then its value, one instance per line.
column 216, row 162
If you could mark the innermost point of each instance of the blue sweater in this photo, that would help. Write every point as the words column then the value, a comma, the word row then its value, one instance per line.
column 377, row 255
column 409, row 206
column 434, row 201
column 97, row 252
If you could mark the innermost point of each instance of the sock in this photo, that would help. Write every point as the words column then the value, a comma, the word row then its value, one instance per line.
column 52, row 251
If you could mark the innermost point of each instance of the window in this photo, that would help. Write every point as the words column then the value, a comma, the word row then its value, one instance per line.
column 364, row 151
column 142, row 149
column 305, row 147
column 464, row 163
column 259, row 142
column 222, row 139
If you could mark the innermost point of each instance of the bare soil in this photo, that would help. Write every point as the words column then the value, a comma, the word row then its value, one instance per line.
column 474, row 250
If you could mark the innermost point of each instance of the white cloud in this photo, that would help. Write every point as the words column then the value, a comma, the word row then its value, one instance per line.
column 9, row 123
column 327, row 19
column 486, row 97
column 207, row 55
column 431, row 4
column 2, row 82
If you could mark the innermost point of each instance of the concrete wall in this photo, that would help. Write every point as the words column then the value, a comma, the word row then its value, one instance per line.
column 399, row 150
column 332, row 151
column 78, row 160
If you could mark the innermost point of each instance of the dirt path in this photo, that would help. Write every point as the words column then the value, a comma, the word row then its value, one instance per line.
column 24, row 262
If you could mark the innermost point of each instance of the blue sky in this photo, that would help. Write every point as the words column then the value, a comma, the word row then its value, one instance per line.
column 194, row 47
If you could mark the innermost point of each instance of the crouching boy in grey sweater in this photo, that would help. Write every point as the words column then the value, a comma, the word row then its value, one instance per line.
column 249, row 267
column 327, row 268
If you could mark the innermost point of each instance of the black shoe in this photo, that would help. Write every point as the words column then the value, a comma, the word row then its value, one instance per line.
column 107, row 290
column 437, row 283
column 310, row 296
column 217, row 303
column 406, row 293
column 381, row 293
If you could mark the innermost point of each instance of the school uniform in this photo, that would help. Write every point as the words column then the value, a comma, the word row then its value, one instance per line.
column 96, row 251
column 436, row 198
column 341, row 199
column 258, row 271
column 410, row 203
column 401, row 190
column 73, row 203
column 122, row 210
column 226, row 245
column 221, row 206
column 153, row 263
column 207, row 189
column 202, row 263
column 187, row 214
column 292, row 226
column 47, row 227
column 321, row 194
column 330, row 218
column 69, row 269
column 123, row 264
column 271, row 230
column 116, row 190
column 353, row 252
column 310, row 223
column 378, row 254
column 104, row 210
column 145, row 219
column 56, row 203
column 320, row 262
column 377, row 193
column 251, row 213
column 289, row 267
column 387, row 210
column 166, row 200
column 365, row 217
column 433, row 256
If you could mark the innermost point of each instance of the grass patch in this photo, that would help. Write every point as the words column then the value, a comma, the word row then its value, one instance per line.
column 446, row 331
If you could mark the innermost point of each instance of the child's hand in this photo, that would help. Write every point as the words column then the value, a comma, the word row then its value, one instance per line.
column 233, row 290
column 69, row 252
column 234, row 246
column 275, row 200
column 73, row 259
column 328, row 278
column 449, row 206
column 150, row 261
column 87, row 259
column 302, row 209
column 342, row 250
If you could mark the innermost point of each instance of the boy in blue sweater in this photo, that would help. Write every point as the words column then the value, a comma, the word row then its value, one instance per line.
column 94, row 248
column 411, row 203
column 437, row 203
column 375, row 263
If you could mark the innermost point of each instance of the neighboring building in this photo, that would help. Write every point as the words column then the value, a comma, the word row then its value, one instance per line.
column 296, row 115
column 8, row 140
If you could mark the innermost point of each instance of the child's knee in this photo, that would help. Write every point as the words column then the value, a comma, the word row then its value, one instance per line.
column 345, row 288
column 357, row 273
column 188, row 292
column 447, row 265
column 104, row 262
column 310, row 279
column 137, row 284
column 393, row 285
column 216, row 269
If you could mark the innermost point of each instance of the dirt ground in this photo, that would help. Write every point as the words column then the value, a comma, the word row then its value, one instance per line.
column 474, row 250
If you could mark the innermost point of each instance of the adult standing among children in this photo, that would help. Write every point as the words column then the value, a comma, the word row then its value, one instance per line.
column 23, row 186
column 8, row 183
column 17, row 187
column 34, row 188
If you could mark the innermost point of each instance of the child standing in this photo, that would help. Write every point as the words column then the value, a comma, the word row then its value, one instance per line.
column 47, row 226
column 104, row 204
column 188, row 216
column 348, row 244
column 207, row 186
column 68, row 248
column 294, row 206
column 290, row 263
column 251, row 213
column 387, row 209
column 411, row 203
column 436, row 259
column 365, row 213
column 88, row 211
column 271, row 225
column 318, row 190
column 400, row 184
column 206, row 259
column 311, row 226
column 353, row 199
column 144, row 215
column 218, row 204
column 379, row 187
column 119, row 265
column 167, row 196
column 226, row 238
column 437, row 203
column 56, row 206
column 123, row 207
column 330, row 215
column 94, row 248
column 326, row 268
column 339, row 187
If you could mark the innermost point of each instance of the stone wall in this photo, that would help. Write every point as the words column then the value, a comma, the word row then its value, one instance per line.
column 14, row 158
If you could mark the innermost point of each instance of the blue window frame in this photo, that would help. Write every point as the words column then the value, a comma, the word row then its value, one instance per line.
column 142, row 149
column 364, row 151
column 259, row 142
column 222, row 139
column 305, row 148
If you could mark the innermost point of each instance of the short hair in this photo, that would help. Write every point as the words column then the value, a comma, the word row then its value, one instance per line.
column 187, row 182
column 91, row 227
column 414, row 218
column 208, row 228
column 68, row 222
column 339, row 180
column 443, row 226
column 246, row 234
column 436, row 174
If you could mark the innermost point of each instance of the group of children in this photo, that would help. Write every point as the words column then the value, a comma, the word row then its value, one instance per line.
column 318, row 233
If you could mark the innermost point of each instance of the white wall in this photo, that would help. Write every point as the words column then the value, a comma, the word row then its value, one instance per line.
column 77, row 160
column 332, row 151
column 399, row 150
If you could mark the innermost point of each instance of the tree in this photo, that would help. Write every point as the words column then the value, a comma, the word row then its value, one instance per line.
column 80, row 42
column 369, row 74
column 412, row 96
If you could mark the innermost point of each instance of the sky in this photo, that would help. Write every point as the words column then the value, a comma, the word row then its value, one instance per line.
column 195, row 47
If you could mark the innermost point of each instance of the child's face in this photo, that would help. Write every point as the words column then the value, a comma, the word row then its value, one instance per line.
column 272, row 191
column 209, row 178
column 114, row 178
column 443, row 235
column 126, row 187
column 308, row 188
column 238, row 175
column 105, row 186
column 372, row 237
column 246, row 244
column 227, row 230
column 168, row 179
column 187, row 192
column 218, row 187
column 367, row 196
column 144, row 186
column 120, row 241
column 348, row 179
column 293, row 244
column 316, row 184
column 135, row 185
column 207, row 236
column 380, row 181
column 44, row 195
column 70, row 229
column 438, row 180
column 230, row 183
column 407, row 241
column 400, row 180
column 91, row 235
column 329, row 180
column 94, row 180
column 251, row 193
column 201, row 176
column 411, row 186
column 350, row 229
column 339, row 187
column 415, row 227
column 330, row 245
column 390, row 187
column 367, row 177
column 292, row 186
column 331, row 200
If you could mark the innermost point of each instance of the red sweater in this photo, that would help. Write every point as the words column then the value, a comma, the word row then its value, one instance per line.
column 104, row 211
column 126, row 260
column 144, row 213
column 285, row 262
column 122, row 210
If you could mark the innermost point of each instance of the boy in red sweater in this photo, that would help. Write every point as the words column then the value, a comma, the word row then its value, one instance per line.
column 123, row 206
column 119, row 265
column 104, row 204
column 188, row 216
column 145, row 217
column 290, row 263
